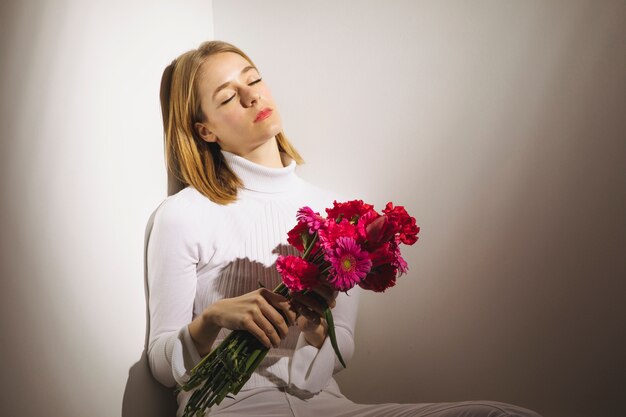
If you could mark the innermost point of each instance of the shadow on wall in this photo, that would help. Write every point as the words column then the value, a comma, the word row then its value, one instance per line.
column 144, row 396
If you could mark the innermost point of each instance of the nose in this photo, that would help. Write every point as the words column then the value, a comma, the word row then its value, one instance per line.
column 252, row 98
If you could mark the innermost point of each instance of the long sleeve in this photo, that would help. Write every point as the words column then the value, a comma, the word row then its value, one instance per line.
column 172, row 256
column 311, row 368
column 200, row 252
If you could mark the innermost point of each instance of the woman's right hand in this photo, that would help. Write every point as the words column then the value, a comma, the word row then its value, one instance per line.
column 257, row 312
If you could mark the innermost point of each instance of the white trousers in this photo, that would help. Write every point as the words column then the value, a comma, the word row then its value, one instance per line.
column 278, row 402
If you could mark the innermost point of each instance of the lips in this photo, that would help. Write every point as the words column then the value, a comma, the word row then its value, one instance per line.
column 263, row 114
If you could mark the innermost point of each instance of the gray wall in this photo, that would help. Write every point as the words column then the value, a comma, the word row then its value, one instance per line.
column 500, row 126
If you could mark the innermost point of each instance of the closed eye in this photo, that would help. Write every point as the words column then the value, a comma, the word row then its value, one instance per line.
column 233, row 96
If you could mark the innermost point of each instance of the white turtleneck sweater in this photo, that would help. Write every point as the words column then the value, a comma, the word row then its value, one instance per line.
column 199, row 252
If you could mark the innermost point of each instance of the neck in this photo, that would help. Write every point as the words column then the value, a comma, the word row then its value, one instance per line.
column 266, row 154
column 257, row 177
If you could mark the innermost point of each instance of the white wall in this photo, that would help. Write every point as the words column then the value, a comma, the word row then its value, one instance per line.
column 81, row 171
column 500, row 126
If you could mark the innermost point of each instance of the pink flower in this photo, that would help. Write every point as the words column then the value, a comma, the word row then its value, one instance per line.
column 329, row 235
column 312, row 219
column 350, row 264
column 297, row 274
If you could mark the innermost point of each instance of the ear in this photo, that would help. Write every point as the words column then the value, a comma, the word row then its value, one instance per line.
column 205, row 133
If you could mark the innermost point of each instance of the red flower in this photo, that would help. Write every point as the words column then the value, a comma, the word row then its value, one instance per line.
column 406, row 224
column 329, row 235
column 297, row 274
column 380, row 278
column 380, row 231
column 363, row 222
column 374, row 237
column 294, row 236
column 348, row 209
column 398, row 260
column 382, row 255
column 401, row 264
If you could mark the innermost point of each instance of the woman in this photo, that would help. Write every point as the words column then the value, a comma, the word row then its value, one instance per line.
column 217, row 238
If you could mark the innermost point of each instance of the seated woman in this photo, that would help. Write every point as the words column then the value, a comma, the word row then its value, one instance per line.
column 213, row 241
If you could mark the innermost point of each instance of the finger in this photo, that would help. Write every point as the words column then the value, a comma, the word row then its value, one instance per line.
column 272, row 296
column 281, row 304
column 251, row 326
column 328, row 294
column 288, row 313
column 309, row 317
column 310, row 301
column 321, row 296
column 294, row 307
column 324, row 290
column 297, row 307
column 268, row 328
column 275, row 308
column 273, row 316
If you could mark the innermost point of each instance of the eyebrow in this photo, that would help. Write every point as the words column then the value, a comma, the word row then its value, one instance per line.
column 221, row 87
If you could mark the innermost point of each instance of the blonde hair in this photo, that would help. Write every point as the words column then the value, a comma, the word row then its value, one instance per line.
column 189, row 159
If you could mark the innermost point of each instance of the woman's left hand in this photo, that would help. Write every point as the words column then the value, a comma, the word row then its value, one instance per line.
column 310, row 310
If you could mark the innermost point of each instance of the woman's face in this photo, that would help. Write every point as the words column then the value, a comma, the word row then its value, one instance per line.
column 232, row 96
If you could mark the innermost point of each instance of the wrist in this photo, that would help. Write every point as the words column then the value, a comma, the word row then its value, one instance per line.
column 203, row 331
column 316, row 337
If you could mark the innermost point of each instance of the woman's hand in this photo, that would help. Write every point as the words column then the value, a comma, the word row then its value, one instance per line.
column 257, row 312
column 310, row 309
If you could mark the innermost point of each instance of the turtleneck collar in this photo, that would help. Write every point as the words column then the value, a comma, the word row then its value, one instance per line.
column 257, row 177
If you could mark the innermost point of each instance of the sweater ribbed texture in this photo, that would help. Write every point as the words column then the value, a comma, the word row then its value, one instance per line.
column 200, row 252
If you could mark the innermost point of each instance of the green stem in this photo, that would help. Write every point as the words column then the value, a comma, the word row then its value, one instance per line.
column 311, row 244
column 328, row 315
column 230, row 365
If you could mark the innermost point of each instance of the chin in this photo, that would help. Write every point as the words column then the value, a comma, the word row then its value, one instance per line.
column 276, row 127
column 274, row 130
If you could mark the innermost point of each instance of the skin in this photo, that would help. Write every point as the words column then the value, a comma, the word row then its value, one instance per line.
column 231, row 124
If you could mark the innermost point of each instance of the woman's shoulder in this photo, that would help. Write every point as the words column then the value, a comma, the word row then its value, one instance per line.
column 187, row 206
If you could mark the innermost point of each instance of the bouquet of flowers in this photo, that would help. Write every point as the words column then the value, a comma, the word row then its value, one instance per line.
column 352, row 245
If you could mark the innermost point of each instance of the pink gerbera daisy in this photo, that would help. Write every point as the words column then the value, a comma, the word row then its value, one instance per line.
column 350, row 264
column 312, row 219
